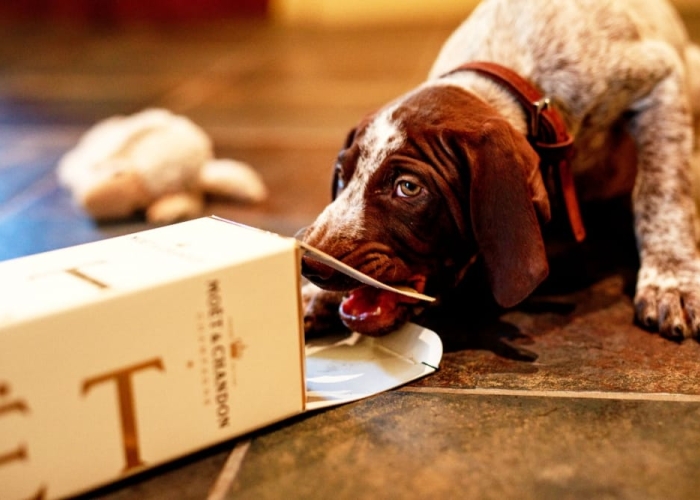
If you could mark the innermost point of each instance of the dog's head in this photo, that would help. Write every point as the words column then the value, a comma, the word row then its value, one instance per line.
column 421, row 188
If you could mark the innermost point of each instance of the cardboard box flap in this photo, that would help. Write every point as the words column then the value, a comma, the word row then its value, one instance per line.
column 344, row 369
column 341, row 267
column 361, row 277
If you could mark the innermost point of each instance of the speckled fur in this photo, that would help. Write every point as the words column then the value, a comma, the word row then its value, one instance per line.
column 607, row 66
column 603, row 61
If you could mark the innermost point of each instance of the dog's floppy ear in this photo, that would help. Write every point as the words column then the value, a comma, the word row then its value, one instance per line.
column 507, row 195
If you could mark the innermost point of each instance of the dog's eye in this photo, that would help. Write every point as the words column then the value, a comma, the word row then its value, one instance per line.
column 407, row 189
column 338, row 181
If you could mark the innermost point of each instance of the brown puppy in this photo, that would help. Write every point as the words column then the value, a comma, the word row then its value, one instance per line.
column 449, row 172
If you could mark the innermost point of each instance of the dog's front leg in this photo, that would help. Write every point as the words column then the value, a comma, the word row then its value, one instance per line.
column 668, row 286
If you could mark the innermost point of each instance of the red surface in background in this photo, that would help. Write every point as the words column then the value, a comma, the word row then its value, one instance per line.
column 119, row 11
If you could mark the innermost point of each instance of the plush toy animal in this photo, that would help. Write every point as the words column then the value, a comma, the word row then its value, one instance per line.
column 153, row 161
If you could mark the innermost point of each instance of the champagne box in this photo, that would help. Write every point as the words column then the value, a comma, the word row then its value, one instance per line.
column 123, row 354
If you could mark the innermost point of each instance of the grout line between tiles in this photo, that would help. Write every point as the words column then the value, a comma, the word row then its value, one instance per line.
column 229, row 471
column 627, row 396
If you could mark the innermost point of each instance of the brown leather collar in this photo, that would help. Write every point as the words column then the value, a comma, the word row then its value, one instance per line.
column 547, row 133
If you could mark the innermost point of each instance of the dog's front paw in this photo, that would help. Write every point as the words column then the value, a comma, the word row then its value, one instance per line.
column 668, row 298
column 320, row 309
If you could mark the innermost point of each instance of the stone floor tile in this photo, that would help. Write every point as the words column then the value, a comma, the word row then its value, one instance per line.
column 423, row 445
column 597, row 350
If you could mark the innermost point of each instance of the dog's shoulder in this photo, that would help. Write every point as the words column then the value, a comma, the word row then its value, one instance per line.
column 593, row 57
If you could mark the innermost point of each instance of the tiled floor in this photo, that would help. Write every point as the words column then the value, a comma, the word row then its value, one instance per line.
column 560, row 398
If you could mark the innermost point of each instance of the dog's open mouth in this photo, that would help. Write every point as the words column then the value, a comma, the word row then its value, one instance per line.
column 376, row 312
column 372, row 309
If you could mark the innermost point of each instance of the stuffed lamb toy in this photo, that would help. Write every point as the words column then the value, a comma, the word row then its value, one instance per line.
column 153, row 162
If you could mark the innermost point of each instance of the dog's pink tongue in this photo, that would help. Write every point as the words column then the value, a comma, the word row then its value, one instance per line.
column 372, row 311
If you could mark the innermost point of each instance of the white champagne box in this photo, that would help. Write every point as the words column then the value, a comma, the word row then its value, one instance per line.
column 123, row 354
